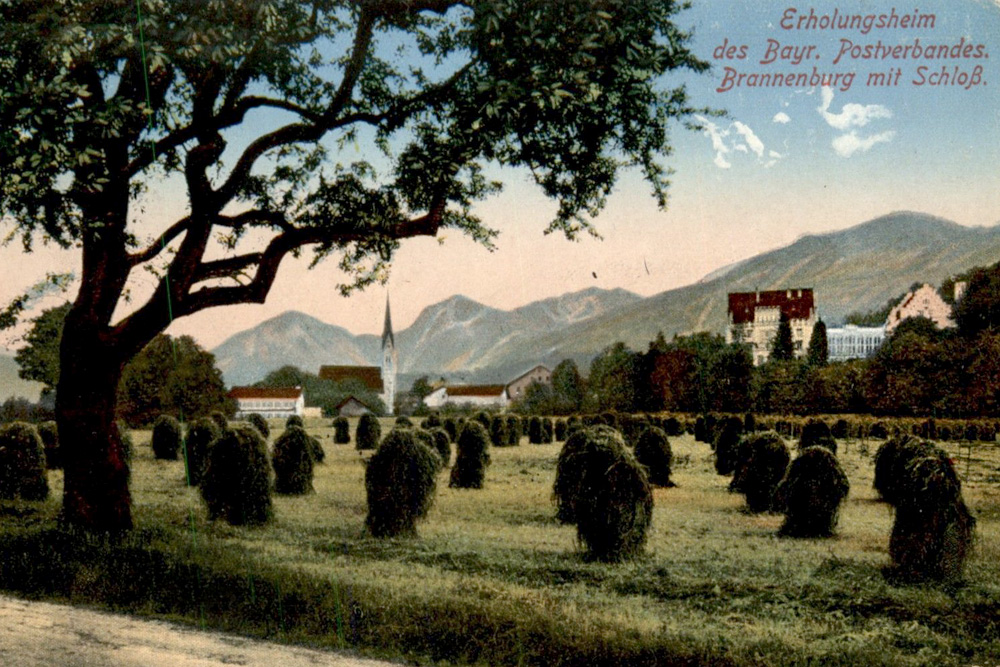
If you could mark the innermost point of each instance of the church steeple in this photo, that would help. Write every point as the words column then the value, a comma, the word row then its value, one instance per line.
column 390, row 362
column 387, row 327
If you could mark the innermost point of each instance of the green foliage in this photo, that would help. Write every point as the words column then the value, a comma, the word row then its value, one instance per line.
column 171, row 376
column 295, row 420
column 48, row 431
column 442, row 444
column 38, row 359
column 892, row 460
column 202, row 434
column 472, row 457
column 612, row 381
column 603, row 490
column 782, row 348
column 933, row 529
column 367, row 433
column 818, row 352
column 292, row 460
column 400, row 482
column 167, row 438
column 811, row 493
column 22, row 463
column 653, row 452
column 979, row 308
column 236, row 485
column 258, row 422
column 761, row 462
column 341, row 431
column 568, row 388
column 220, row 419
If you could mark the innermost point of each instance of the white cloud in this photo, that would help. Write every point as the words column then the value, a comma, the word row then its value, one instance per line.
column 755, row 144
column 781, row 117
column 848, row 144
column 852, row 115
column 737, row 138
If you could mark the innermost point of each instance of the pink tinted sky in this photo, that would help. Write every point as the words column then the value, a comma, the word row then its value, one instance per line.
column 784, row 163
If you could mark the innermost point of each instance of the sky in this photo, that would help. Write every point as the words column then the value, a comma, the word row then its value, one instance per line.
column 844, row 139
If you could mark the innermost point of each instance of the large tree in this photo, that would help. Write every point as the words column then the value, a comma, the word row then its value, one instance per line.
column 242, row 102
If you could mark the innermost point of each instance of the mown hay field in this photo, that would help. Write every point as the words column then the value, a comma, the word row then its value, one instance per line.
column 494, row 579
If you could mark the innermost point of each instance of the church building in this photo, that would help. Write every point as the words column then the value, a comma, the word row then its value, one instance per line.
column 377, row 379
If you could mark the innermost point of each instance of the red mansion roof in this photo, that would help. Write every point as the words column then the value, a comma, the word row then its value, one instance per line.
column 266, row 392
column 369, row 376
column 796, row 304
column 476, row 390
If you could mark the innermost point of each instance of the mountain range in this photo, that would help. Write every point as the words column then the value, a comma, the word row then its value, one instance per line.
column 856, row 269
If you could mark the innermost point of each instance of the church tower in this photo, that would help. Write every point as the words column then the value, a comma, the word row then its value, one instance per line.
column 390, row 362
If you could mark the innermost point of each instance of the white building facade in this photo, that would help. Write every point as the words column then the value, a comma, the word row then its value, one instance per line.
column 853, row 342
column 268, row 402
column 754, row 318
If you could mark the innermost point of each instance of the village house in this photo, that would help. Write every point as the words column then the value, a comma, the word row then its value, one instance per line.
column 268, row 402
column 923, row 302
column 519, row 385
column 351, row 407
column 754, row 319
column 470, row 395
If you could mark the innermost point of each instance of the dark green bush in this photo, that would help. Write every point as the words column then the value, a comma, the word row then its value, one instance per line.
column 236, row 485
column 932, row 533
column 603, row 490
column 49, row 432
column 472, row 457
column 292, row 461
column 22, row 463
column 891, row 462
column 202, row 433
column 367, row 433
column 295, row 420
column 811, row 493
column 762, row 462
column 258, row 422
column 816, row 433
column 341, row 431
column 653, row 452
column 167, row 438
column 400, row 482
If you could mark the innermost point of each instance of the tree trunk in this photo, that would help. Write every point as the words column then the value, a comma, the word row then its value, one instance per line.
column 96, row 491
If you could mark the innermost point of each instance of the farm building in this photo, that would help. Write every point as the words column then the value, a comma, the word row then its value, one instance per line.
column 476, row 395
column 268, row 402
column 517, row 386
column 351, row 407
column 754, row 318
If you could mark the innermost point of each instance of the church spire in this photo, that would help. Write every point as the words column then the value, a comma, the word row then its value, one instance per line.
column 387, row 335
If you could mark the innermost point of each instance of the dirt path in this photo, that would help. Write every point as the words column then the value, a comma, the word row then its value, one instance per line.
column 40, row 633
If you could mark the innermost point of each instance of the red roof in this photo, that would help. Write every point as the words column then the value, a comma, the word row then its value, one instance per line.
column 265, row 392
column 476, row 390
column 369, row 376
column 796, row 304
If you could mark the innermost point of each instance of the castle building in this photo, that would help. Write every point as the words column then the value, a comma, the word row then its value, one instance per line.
column 754, row 319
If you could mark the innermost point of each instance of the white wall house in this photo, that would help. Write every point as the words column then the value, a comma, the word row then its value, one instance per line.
column 268, row 402
column 478, row 395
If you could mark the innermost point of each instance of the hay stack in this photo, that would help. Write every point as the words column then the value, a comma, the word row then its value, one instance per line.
column 653, row 452
column 811, row 493
column 762, row 462
column 400, row 481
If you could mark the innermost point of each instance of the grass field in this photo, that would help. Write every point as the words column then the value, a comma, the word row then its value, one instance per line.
column 493, row 579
